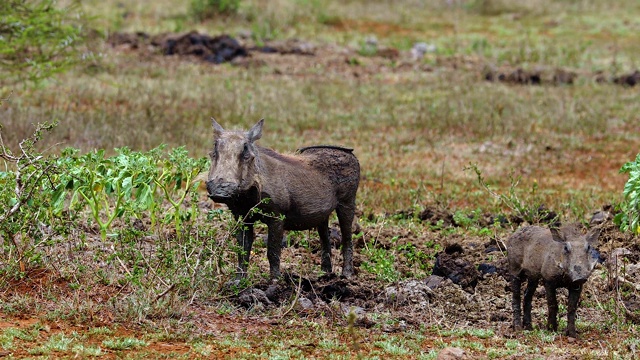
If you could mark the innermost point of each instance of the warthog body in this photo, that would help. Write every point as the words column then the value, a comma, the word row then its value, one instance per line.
column 561, row 258
column 291, row 192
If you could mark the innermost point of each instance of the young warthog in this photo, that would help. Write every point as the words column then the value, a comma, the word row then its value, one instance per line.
column 291, row 192
column 561, row 258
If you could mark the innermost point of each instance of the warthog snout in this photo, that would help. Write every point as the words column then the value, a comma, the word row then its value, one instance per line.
column 220, row 190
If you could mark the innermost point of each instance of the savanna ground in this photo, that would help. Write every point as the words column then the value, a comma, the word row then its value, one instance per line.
column 420, row 127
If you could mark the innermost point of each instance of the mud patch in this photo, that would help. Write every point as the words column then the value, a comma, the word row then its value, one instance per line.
column 216, row 50
column 556, row 76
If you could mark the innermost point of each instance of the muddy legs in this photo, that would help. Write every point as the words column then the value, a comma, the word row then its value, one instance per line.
column 325, row 242
column 274, row 247
column 552, row 304
column 346, row 213
column 574, row 298
column 515, row 303
column 532, row 284
column 521, row 320
column 245, row 242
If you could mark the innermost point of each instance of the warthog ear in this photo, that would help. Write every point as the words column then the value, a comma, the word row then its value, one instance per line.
column 217, row 129
column 592, row 236
column 255, row 132
column 557, row 235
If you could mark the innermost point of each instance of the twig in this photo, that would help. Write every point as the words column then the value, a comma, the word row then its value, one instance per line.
column 152, row 270
column 120, row 261
column 163, row 293
column 295, row 300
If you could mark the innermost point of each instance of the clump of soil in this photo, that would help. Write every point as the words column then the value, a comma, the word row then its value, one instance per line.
column 538, row 76
column 631, row 79
column 451, row 265
column 218, row 49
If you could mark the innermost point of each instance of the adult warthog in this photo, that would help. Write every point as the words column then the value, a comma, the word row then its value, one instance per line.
column 289, row 192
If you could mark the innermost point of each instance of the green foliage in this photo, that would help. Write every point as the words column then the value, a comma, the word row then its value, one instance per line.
column 128, row 184
column 123, row 343
column 23, row 223
column 108, row 186
column 380, row 263
column 418, row 258
column 177, row 180
column 470, row 221
column 206, row 9
column 38, row 39
column 629, row 217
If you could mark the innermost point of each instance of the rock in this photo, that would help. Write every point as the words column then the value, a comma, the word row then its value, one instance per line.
column 450, row 353
column 487, row 269
column 252, row 297
column 272, row 292
column 356, row 310
column 599, row 217
column 419, row 49
column 408, row 292
column 304, row 304
column 433, row 281
column 371, row 41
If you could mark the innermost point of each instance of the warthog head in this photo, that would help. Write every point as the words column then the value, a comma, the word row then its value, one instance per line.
column 233, row 161
column 579, row 257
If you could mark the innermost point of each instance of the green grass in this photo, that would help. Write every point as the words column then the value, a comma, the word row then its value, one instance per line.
column 123, row 343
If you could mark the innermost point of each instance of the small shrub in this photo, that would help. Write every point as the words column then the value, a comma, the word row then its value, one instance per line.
column 206, row 9
column 629, row 217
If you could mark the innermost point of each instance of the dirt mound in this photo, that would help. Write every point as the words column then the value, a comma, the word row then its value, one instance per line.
column 218, row 49
column 556, row 76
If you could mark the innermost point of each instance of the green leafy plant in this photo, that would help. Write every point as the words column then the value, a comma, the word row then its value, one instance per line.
column 110, row 187
column 128, row 184
column 629, row 217
column 177, row 179
column 39, row 38
column 380, row 262
column 416, row 257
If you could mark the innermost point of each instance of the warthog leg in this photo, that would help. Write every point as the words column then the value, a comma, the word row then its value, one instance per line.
column 516, row 283
column 532, row 284
column 325, row 241
column 574, row 297
column 274, row 246
column 346, row 213
column 552, row 304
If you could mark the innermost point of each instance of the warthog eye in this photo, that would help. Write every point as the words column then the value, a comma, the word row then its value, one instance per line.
column 246, row 154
